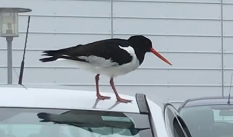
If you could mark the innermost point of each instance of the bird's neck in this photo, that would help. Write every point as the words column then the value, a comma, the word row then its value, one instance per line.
column 140, row 55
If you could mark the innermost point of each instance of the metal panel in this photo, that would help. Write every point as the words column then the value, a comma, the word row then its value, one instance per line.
column 227, row 12
column 174, row 1
column 184, row 44
column 159, row 10
column 228, row 1
column 154, row 26
column 70, row 25
column 62, row 8
column 161, row 43
column 228, row 45
column 228, row 61
column 227, row 79
column 227, row 28
column 227, row 90
column 52, row 41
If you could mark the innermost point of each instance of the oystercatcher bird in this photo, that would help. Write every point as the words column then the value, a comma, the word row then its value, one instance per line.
column 109, row 57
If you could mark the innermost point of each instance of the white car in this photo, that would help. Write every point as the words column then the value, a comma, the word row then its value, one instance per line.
column 43, row 112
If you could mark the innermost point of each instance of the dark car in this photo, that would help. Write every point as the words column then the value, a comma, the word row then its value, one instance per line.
column 208, row 116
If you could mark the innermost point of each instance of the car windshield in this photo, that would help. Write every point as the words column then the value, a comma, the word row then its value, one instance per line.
column 212, row 120
column 28, row 122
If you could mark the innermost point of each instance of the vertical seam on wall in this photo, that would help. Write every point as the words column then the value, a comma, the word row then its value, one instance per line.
column 111, row 18
column 222, row 48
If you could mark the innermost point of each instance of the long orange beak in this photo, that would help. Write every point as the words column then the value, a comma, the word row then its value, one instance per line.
column 160, row 56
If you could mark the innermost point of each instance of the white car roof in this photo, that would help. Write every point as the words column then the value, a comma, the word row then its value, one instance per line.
column 62, row 99
column 17, row 96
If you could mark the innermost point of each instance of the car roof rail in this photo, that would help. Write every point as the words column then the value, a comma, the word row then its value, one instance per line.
column 142, row 103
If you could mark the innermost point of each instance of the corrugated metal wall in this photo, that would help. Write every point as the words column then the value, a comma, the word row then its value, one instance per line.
column 192, row 34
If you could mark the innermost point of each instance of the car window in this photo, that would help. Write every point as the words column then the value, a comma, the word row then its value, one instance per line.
column 19, row 122
column 175, row 124
column 216, row 109
column 219, row 118
column 211, row 120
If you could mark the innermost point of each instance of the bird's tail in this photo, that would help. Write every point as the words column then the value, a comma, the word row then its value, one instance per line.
column 55, row 54
column 48, row 59
column 52, row 53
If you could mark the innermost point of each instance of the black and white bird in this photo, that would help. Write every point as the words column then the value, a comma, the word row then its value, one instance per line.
column 109, row 57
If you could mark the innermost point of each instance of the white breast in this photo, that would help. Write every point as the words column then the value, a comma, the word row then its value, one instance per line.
column 102, row 66
column 123, row 69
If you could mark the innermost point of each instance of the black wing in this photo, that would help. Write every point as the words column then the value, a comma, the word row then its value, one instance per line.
column 107, row 49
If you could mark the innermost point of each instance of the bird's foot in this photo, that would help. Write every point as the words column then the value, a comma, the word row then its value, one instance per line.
column 119, row 99
column 102, row 97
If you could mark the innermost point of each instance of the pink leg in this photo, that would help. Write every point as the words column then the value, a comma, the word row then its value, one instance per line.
column 97, row 89
column 117, row 96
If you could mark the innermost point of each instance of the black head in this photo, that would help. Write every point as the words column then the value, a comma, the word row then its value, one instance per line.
column 143, row 44
column 140, row 42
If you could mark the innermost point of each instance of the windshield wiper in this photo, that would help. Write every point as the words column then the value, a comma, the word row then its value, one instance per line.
column 85, row 122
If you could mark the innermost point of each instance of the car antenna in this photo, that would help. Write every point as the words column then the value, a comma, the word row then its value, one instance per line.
column 229, row 96
column 24, row 51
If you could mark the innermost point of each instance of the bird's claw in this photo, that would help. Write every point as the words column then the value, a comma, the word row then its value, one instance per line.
column 102, row 97
column 123, row 100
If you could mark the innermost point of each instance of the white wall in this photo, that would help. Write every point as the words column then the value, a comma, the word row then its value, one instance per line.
column 186, row 32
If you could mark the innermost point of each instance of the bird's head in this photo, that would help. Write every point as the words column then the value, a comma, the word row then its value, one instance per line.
column 144, row 44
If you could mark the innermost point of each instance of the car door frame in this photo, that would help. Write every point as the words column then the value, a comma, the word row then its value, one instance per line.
column 171, row 114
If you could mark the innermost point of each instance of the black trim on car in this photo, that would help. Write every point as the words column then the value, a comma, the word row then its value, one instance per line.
column 144, row 109
column 142, row 103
